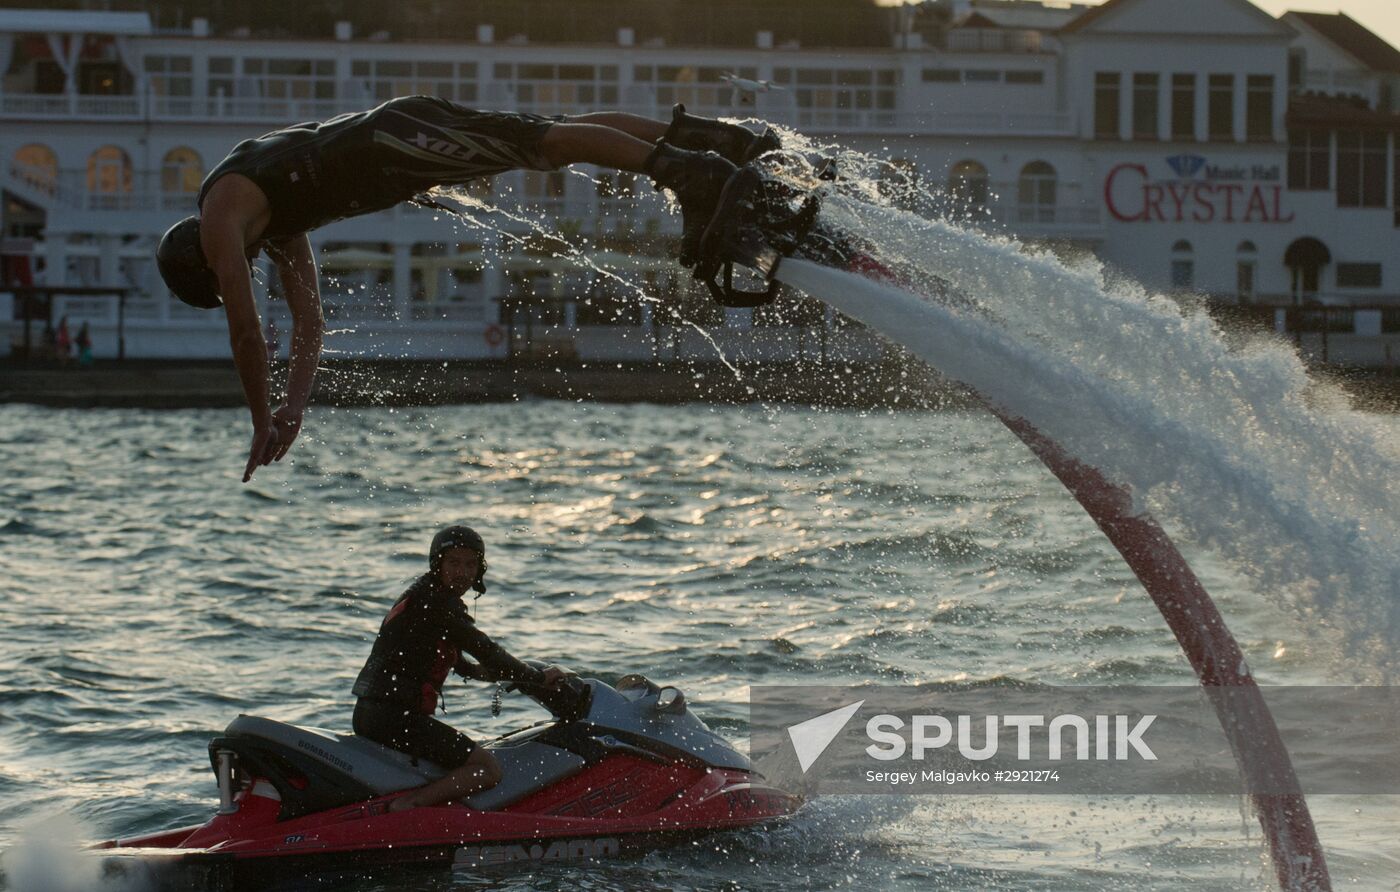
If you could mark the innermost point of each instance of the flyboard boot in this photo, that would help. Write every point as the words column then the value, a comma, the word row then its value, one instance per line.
column 739, row 145
column 696, row 179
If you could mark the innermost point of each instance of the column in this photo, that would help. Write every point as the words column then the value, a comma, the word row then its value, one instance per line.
column 56, row 258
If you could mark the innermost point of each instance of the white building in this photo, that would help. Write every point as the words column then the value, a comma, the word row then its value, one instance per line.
column 1199, row 145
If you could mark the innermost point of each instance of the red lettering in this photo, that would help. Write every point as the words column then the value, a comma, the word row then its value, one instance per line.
column 1178, row 193
column 1141, row 171
column 1202, row 194
column 1152, row 196
column 1278, row 211
column 1256, row 204
column 1230, row 191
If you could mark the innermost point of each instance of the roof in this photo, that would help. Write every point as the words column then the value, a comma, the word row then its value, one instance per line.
column 977, row 20
column 60, row 21
column 1025, row 16
column 1312, row 110
column 1104, row 9
column 1093, row 14
column 676, row 23
column 1353, row 37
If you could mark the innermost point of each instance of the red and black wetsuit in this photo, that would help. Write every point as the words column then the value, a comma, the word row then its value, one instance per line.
column 419, row 643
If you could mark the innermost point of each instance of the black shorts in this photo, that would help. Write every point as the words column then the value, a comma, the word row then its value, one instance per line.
column 453, row 143
column 421, row 736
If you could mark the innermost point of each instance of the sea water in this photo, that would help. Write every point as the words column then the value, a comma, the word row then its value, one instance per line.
column 150, row 598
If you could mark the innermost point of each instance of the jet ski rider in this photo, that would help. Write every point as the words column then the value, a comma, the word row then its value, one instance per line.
column 419, row 643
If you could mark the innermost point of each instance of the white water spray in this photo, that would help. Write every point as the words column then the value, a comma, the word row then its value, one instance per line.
column 51, row 856
column 1230, row 448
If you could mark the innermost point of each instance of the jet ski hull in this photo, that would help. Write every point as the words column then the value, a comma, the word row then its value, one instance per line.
column 621, row 807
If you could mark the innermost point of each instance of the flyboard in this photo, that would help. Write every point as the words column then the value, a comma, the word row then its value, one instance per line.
column 772, row 226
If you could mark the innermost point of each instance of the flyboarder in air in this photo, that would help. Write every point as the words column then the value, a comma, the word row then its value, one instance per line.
column 270, row 191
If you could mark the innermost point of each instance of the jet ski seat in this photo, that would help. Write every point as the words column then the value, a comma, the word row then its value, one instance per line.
column 346, row 768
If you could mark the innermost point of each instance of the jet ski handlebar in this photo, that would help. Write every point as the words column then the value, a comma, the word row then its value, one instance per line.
column 568, row 702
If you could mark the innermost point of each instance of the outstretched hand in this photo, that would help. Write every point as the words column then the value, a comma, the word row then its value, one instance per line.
column 288, row 422
column 272, row 439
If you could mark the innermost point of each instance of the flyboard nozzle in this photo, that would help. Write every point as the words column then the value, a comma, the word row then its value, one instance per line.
column 746, row 218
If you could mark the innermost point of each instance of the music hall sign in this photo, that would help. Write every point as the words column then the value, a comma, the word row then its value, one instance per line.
column 1199, row 193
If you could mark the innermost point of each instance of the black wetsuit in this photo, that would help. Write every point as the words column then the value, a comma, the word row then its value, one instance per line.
column 419, row 643
column 317, row 173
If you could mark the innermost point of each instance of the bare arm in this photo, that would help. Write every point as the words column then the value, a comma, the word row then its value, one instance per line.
column 222, row 239
column 296, row 268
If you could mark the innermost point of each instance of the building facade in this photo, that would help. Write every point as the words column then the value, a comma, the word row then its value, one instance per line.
column 1193, row 145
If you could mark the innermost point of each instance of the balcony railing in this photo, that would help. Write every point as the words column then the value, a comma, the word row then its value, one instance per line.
column 150, row 107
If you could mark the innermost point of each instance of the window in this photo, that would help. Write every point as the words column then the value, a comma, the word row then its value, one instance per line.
column 1220, row 109
column 1395, row 182
column 551, row 87
column 607, row 302
column 109, row 171
column 1183, row 266
column 1358, row 275
column 1183, row 106
column 1025, row 77
column 942, row 76
column 220, row 76
column 296, row 79
column 840, row 88
column 1144, row 106
column 169, row 75
column 1106, row 89
column 701, row 86
column 1309, row 159
column 968, row 186
column 37, row 166
column 181, row 172
column 1245, row 266
column 1360, row 169
column 544, row 184
column 383, row 79
column 982, row 76
column 1259, row 108
column 1035, row 193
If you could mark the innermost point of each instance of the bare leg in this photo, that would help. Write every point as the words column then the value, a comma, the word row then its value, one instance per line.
column 480, row 772
column 633, row 125
column 590, row 143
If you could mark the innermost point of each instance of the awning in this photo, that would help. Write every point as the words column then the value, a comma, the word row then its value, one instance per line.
column 59, row 21
column 1307, row 251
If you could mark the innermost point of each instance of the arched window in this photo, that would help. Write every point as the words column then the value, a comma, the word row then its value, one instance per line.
column 181, row 172
column 1246, row 263
column 109, row 171
column 37, row 166
column 1183, row 266
column 968, row 186
column 1305, row 258
column 1036, row 193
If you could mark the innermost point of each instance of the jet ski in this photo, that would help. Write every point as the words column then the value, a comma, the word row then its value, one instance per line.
column 615, row 771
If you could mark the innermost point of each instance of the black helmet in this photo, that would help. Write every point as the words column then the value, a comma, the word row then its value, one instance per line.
column 459, row 537
column 183, row 267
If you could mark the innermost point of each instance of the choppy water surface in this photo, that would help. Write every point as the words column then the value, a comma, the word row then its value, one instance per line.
column 150, row 598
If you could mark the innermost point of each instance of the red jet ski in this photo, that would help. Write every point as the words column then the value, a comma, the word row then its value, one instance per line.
column 616, row 771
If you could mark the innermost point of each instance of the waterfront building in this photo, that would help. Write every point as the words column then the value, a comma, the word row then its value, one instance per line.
column 1197, row 146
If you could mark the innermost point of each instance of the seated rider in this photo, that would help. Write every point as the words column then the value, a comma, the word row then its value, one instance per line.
column 420, row 641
